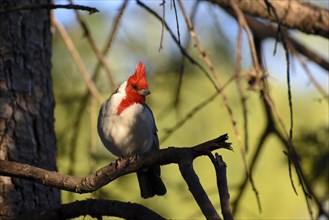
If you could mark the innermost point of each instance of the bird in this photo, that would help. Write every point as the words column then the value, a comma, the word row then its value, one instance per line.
column 126, row 127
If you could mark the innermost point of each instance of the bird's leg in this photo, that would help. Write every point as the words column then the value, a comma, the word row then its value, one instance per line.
column 118, row 161
column 133, row 157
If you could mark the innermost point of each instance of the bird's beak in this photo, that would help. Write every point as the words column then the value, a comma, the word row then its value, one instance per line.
column 144, row 92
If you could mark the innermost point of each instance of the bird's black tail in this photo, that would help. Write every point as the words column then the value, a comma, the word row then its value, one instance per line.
column 150, row 182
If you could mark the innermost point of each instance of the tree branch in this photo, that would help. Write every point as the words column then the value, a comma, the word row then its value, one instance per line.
column 91, row 39
column 263, row 31
column 224, row 194
column 117, row 168
column 78, row 60
column 120, row 167
column 91, row 10
column 195, row 187
column 305, row 17
column 95, row 208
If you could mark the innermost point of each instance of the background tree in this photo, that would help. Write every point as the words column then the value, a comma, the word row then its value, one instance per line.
column 262, row 104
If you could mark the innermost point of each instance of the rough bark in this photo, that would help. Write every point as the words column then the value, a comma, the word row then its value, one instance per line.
column 292, row 14
column 26, row 105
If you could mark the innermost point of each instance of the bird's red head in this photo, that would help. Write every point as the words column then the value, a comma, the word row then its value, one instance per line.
column 136, row 88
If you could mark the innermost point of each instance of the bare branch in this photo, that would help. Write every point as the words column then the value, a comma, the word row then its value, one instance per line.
column 263, row 31
column 115, row 27
column 224, row 195
column 95, row 48
column 309, row 74
column 194, row 185
column 117, row 168
column 123, row 166
column 187, row 42
column 75, row 54
column 183, row 51
column 189, row 115
column 302, row 49
column 163, row 4
column 215, row 75
column 91, row 10
column 94, row 208
column 305, row 17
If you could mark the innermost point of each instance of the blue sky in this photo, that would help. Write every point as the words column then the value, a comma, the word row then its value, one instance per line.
column 275, row 64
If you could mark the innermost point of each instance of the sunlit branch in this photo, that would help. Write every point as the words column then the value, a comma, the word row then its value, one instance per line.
column 122, row 166
column 305, row 17
column 88, row 34
column 76, row 57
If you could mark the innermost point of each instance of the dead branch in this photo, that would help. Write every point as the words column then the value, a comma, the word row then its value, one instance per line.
column 77, row 58
column 224, row 195
column 120, row 167
column 163, row 4
column 96, row 208
column 188, row 116
column 305, row 17
column 113, row 32
column 186, row 44
column 92, row 42
column 218, row 84
column 195, row 187
column 309, row 74
column 182, row 50
column 263, row 31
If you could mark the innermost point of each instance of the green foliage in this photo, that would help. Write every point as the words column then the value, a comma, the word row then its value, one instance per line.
column 313, row 148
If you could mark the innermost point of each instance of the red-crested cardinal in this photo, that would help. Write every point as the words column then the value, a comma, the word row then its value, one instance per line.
column 126, row 127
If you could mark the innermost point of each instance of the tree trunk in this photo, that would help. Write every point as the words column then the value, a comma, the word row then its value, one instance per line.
column 26, row 105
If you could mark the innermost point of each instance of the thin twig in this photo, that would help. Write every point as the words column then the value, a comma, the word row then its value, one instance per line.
column 181, row 73
column 207, row 60
column 177, row 23
column 254, row 158
column 212, row 69
column 95, row 48
column 76, row 56
column 188, row 116
column 308, row 73
column 239, row 87
column 243, row 24
column 271, row 9
column 292, row 156
column 183, row 51
column 115, row 28
column 163, row 20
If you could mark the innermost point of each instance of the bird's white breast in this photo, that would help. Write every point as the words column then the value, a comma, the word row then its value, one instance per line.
column 130, row 132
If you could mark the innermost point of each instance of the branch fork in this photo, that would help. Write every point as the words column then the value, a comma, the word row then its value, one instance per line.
column 183, row 156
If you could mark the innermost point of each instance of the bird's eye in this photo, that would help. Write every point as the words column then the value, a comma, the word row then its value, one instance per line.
column 135, row 87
